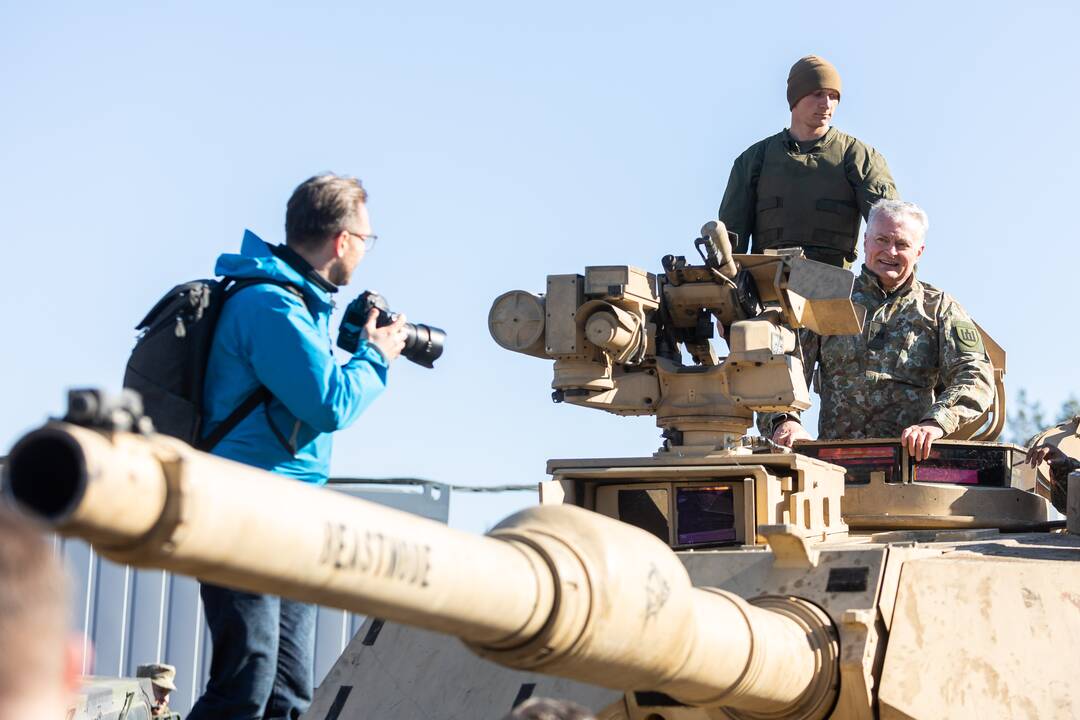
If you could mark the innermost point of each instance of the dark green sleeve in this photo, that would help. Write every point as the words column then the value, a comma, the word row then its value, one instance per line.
column 739, row 205
column 869, row 174
column 1059, row 478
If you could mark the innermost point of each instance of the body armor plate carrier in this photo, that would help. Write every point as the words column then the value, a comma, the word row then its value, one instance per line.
column 806, row 200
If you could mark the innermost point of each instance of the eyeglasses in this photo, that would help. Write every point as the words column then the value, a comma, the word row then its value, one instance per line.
column 368, row 240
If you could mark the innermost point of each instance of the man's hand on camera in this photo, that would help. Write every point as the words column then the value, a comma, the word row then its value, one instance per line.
column 787, row 432
column 389, row 339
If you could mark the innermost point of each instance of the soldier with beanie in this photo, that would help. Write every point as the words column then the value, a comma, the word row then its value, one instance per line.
column 807, row 186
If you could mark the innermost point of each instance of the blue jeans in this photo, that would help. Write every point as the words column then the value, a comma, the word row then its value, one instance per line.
column 263, row 656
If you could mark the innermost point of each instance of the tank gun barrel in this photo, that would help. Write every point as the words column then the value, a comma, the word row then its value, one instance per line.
column 553, row 589
column 155, row 502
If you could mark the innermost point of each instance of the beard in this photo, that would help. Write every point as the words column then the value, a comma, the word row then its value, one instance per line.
column 339, row 273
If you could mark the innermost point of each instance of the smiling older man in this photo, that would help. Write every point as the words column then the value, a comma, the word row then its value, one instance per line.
column 918, row 370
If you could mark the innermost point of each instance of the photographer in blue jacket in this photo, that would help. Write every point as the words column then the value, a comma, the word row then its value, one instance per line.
column 276, row 334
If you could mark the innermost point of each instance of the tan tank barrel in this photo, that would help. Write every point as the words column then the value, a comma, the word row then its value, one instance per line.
column 554, row 589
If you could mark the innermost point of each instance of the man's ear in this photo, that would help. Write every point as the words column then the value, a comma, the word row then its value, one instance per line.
column 341, row 241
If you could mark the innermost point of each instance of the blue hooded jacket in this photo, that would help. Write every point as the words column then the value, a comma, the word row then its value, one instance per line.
column 268, row 335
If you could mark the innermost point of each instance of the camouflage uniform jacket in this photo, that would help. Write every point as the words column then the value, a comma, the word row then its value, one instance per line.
column 919, row 358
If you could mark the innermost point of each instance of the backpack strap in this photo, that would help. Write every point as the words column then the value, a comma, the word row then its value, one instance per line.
column 226, row 426
column 262, row 394
column 287, row 443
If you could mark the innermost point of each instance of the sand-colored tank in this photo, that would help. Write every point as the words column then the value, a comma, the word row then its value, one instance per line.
column 715, row 578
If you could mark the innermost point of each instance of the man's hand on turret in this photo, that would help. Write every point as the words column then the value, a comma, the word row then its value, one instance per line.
column 787, row 432
column 919, row 438
column 1047, row 454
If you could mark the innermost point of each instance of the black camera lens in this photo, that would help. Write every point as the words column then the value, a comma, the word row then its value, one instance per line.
column 423, row 344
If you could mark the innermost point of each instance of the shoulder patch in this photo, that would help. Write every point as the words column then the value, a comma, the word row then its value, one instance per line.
column 967, row 336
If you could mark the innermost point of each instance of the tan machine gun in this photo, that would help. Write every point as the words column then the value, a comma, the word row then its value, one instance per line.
column 616, row 335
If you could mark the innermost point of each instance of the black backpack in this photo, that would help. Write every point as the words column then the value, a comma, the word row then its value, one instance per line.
column 168, row 365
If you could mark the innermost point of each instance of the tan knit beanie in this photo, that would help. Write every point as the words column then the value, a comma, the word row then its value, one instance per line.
column 809, row 74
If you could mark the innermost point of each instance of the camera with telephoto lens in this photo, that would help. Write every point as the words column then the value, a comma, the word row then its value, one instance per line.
column 423, row 343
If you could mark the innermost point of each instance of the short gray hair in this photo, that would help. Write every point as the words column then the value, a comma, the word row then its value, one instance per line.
column 898, row 210
column 321, row 207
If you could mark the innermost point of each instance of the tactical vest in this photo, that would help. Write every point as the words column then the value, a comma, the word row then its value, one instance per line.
column 806, row 200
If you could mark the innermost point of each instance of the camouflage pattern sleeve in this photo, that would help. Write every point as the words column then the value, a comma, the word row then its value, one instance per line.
column 810, row 343
column 869, row 174
column 739, row 206
column 965, row 371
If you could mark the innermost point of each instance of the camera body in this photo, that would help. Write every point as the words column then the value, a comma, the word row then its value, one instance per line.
column 423, row 343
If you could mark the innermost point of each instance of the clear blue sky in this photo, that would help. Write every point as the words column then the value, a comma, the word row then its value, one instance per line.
column 501, row 142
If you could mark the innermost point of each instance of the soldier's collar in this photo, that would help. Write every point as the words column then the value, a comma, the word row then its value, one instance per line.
column 906, row 287
column 793, row 145
column 871, row 277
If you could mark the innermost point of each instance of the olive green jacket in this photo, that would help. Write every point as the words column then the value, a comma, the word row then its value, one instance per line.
column 919, row 358
column 865, row 170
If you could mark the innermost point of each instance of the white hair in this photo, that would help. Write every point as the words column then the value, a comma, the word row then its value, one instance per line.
column 899, row 210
